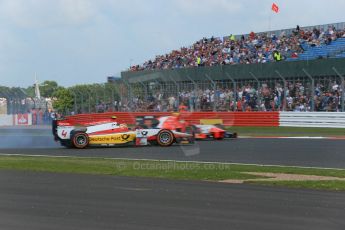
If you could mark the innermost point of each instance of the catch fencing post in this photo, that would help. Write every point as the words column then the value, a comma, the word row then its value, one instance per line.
column 112, row 99
column 258, row 85
column 285, row 89
column 129, row 93
column 15, row 102
column 312, row 89
column 341, row 87
column 160, row 85
column 90, row 93
column 160, row 88
column 118, row 90
column 96, row 100
column 215, row 98
column 89, row 102
column 235, row 89
column 195, row 86
column 104, row 93
column 9, row 103
column 75, row 102
column 82, row 100
column 145, row 87
column 25, row 97
column 177, row 88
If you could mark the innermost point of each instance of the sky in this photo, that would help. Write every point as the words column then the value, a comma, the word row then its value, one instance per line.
column 84, row 41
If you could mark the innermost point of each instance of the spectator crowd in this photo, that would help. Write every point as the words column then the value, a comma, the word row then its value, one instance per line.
column 296, row 96
column 252, row 48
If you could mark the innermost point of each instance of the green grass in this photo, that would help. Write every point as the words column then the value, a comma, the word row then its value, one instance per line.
column 160, row 169
column 324, row 185
column 287, row 131
column 169, row 170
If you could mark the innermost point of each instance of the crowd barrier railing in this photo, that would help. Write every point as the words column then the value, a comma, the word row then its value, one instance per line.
column 312, row 119
column 254, row 119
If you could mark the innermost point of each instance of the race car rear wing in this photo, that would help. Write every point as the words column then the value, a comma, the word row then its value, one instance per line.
column 54, row 129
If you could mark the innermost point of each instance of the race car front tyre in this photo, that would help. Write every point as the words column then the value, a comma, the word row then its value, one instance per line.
column 231, row 135
column 80, row 140
column 165, row 138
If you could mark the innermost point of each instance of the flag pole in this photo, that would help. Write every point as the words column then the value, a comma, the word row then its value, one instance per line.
column 274, row 8
column 269, row 20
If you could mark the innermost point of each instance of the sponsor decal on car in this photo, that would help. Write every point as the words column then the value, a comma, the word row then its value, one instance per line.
column 112, row 139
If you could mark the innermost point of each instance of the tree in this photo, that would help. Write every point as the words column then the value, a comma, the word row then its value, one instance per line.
column 30, row 91
column 47, row 88
column 63, row 100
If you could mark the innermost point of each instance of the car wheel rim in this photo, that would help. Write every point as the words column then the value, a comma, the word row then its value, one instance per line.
column 81, row 140
column 165, row 138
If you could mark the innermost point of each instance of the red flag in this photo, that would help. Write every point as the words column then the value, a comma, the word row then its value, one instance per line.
column 275, row 8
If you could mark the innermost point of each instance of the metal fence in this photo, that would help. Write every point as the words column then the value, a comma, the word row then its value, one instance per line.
column 96, row 98
column 227, row 93
column 15, row 100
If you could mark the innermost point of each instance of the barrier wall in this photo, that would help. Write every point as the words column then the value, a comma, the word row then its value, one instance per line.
column 6, row 120
column 23, row 119
column 17, row 119
column 315, row 119
column 228, row 118
column 254, row 119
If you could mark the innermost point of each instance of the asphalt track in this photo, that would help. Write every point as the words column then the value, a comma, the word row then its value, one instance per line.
column 47, row 201
column 290, row 152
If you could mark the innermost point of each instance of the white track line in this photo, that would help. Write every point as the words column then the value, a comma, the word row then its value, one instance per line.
column 176, row 161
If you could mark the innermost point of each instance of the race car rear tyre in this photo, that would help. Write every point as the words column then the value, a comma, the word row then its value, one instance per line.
column 231, row 135
column 80, row 140
column 165, row 138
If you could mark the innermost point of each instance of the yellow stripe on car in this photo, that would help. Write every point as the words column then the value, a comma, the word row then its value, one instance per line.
column 119, row 138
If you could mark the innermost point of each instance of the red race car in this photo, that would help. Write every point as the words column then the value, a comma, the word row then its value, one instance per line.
column 217, row 132
column 200, row 132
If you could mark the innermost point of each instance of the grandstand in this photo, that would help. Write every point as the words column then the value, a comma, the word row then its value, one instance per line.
column 305, row 43
column 241, row 73
column 336, row 49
